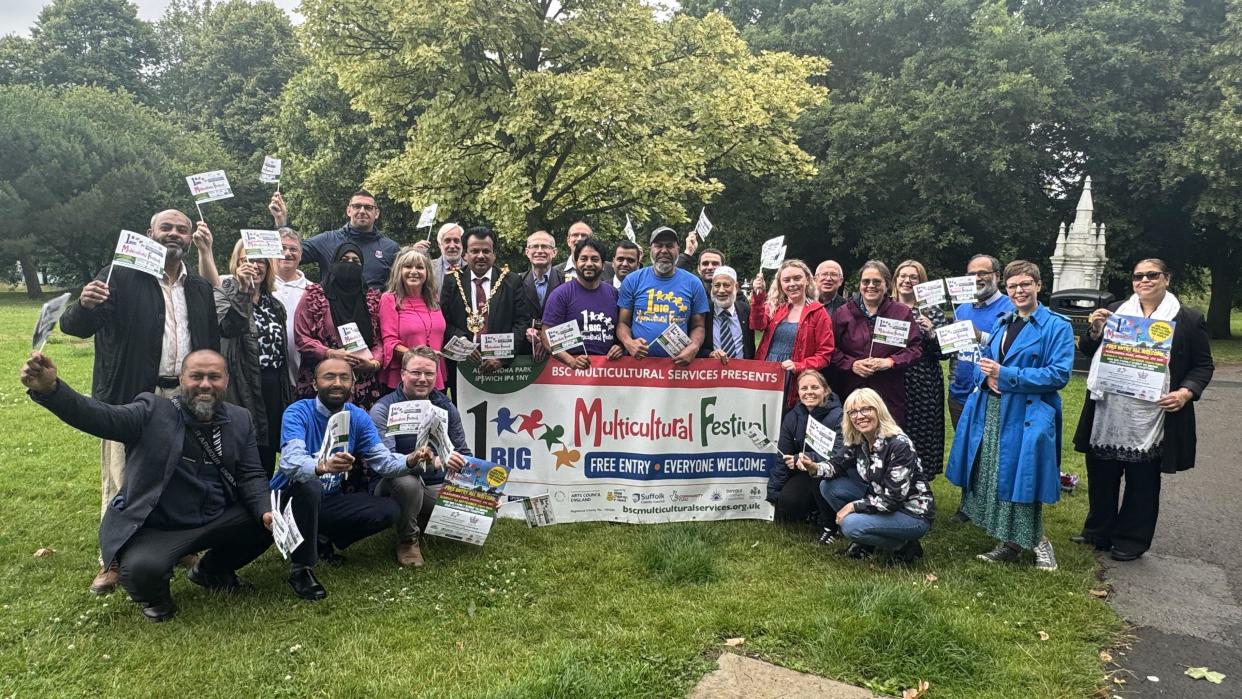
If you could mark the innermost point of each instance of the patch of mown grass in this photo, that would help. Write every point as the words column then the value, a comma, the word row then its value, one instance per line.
column 586, row 610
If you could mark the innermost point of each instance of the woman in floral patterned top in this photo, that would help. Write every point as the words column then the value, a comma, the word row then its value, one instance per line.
column 882, row 497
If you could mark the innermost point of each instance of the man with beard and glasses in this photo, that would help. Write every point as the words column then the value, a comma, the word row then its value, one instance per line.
column 588, row 301
column 727, row 334
column 655, row 297
column 332, row 503
column 193, row 480
column 626, row 258
column 449, row 240
column 362, row 229
column 144, row 327
column 989, row 305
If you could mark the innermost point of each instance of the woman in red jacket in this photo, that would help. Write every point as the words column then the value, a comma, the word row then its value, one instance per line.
column 797, row 330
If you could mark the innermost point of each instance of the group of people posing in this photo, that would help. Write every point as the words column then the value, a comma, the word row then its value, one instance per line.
column 212, row 391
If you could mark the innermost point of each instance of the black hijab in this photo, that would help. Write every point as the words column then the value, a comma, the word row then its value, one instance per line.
column 347, row 295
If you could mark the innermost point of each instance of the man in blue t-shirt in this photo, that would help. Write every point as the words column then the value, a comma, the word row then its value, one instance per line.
column 989, row 305
column 655, row 297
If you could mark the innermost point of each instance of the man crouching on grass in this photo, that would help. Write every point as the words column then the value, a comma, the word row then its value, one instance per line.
column 193, row 480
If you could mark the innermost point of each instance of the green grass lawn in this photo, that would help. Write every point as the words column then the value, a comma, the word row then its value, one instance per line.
column 588, row 610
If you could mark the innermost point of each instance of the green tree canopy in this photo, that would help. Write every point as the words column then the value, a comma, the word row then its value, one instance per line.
column 82, row 163
column 83, row 42
column 532, row 113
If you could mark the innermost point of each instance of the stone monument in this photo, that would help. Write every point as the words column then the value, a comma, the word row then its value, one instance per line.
column 1078, row 261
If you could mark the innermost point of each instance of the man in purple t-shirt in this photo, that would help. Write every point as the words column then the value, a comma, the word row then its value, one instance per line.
column 588, row 301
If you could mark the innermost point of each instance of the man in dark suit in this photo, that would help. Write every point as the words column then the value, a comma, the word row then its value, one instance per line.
column 144, row 326
column 538, row 282
column 193, row 480
column 727, row 334
column 481, row 299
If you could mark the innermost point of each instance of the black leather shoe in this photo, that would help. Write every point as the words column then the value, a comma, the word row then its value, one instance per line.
column 1119, row 555
column 1090, row 541
column 220, row 582
column 306, row 585
column 159, row 611
column 911, row 552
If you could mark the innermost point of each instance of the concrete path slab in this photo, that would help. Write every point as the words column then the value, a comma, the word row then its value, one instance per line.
column 739, row 677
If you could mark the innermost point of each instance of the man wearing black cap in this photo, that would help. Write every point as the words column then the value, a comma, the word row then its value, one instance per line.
column 653, row 298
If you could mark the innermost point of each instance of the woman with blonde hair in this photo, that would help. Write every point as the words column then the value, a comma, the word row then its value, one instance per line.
column 861, row 362
column 255, row 347
column 877, row 486
column 409, row 314
column 792, row 490
column 924, row 377
column 797, row 331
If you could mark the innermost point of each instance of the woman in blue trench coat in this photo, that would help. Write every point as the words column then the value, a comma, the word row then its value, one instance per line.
column 1006, row 452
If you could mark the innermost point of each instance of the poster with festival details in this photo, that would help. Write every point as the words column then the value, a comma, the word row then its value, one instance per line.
column 641, row 441
column 1134, row 359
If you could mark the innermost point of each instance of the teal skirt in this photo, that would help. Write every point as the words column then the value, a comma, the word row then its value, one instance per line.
column 1021, row 523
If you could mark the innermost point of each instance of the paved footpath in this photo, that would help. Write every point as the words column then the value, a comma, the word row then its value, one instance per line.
column 1185, row 595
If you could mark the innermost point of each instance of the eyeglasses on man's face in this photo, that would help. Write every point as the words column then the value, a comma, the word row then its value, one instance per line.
column 362, row 207
column 419, row 374
column 871, row 282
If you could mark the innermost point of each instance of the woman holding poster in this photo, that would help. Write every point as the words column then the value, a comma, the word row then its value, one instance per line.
column 252, row 323
column 344, row 300
column 791, row 489
column 409, row 314
column 924, row 378
column 1006, row 453
column 1132, row 438
column 797, row 331
column 878, row 489
column 865, row 357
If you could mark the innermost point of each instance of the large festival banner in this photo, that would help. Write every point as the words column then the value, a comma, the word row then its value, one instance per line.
column 629, row 440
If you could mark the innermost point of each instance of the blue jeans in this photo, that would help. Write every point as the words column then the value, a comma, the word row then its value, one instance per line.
column 886, row 530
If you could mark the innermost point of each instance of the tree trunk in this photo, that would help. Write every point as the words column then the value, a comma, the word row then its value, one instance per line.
column 30, row 272
column 1224, row 282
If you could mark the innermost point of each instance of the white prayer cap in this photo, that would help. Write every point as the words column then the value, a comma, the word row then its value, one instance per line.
column 726, row 271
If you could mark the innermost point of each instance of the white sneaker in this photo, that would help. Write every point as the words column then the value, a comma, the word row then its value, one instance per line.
column 1045, row 559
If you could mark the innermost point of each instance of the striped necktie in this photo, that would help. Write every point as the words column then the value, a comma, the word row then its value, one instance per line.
column 728, row 340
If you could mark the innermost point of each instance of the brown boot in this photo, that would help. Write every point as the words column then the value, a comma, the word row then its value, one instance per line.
column 105, row 582
column 408, row 554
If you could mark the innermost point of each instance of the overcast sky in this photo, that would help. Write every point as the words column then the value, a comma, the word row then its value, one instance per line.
column 17, row 16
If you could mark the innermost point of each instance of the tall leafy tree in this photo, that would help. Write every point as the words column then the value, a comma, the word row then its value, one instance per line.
column 225, row 67
column 83, row 42
column 80, row 164
column 535, row 112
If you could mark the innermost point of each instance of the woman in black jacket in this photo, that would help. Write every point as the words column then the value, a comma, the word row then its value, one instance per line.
column 794, row 493
column 1138, row 439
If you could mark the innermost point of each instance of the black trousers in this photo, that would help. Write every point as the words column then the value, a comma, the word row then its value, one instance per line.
column 275, row 413
column 1131, row 527
column 800, row 499
column 146, row 562
column 342, row 518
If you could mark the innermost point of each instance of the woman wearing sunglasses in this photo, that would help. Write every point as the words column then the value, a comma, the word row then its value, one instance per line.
column 876, row 485
column 1134, row 439
column 1006, row 453
column 858, row 360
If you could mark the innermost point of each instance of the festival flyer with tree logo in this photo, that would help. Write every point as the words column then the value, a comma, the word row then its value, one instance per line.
column 1134, row 359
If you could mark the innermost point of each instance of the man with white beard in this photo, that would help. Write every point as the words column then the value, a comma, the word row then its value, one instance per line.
column 143, row 328
column 655, row 297
column 727, row 334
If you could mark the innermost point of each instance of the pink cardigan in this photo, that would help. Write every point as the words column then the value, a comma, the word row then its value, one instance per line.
column 411, row 326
